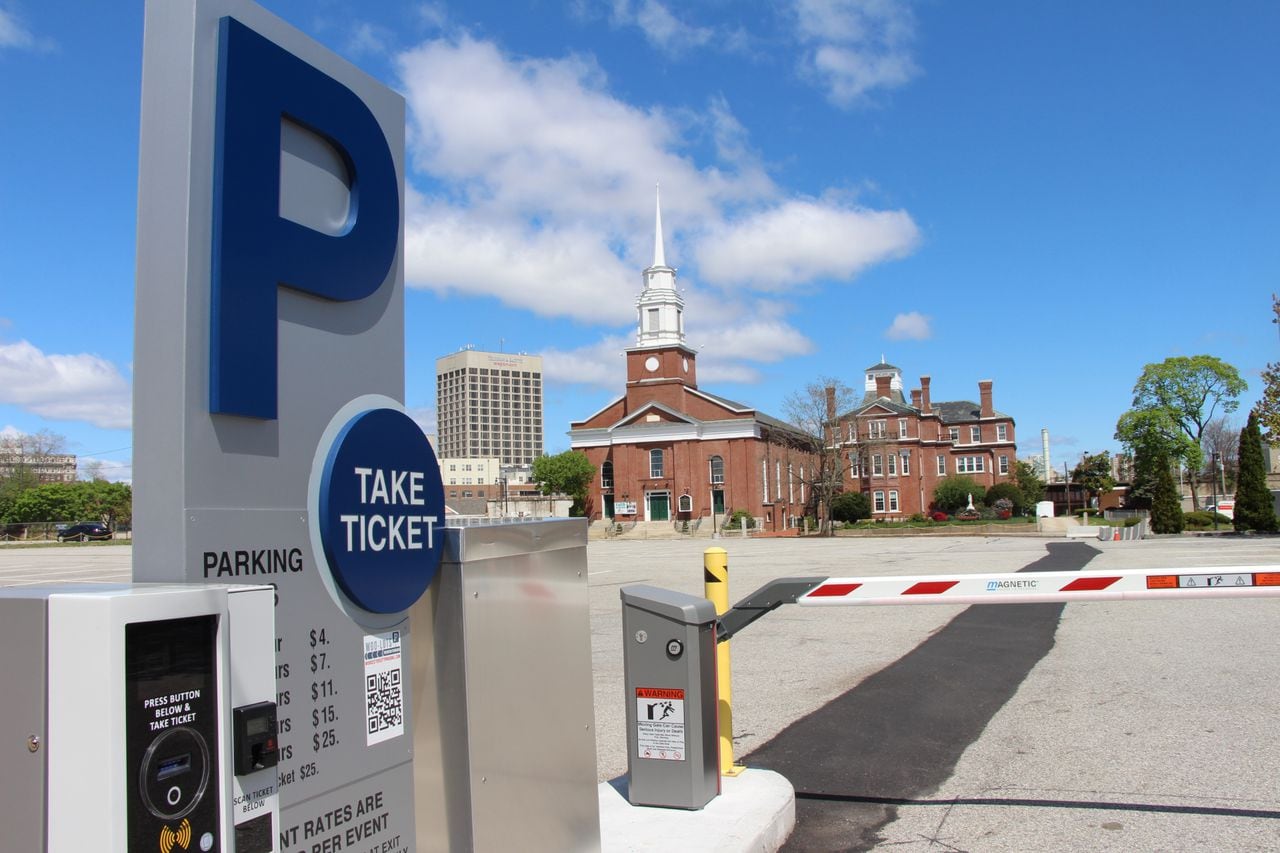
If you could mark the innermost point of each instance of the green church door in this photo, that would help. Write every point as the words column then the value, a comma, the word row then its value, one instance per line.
column 659, row 506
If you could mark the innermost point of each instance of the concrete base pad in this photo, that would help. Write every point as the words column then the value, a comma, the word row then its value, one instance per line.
column 755, row 811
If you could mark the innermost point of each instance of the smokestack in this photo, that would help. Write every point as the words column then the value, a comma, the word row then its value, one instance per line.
column 984, row 393
column 1044, row 441
column 924, row 395
column 831, row 402
column 915, row 397
column 882, row 385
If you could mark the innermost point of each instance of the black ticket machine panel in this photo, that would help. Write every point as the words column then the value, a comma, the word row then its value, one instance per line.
column 171, row 734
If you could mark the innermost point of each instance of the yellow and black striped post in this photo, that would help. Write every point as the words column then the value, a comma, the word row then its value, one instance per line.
column 715, row 571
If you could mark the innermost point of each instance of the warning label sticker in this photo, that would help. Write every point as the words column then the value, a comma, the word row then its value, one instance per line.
column 660, row 723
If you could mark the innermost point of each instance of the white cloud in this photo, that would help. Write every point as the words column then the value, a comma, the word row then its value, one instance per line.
column 111, row 470
column 750, row 340
column 14, row 34
column 81, row 387
column 425, row 418
column 661, row 28
column 912, row 326
column 11, row 431
column 365, row 39
column 801, row 240
column 853, row 47
column 600, row 365
column 537, row 190
column 556, row 271
column 433, row 15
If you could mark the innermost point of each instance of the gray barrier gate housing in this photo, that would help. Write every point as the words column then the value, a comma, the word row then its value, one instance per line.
column 668, row 642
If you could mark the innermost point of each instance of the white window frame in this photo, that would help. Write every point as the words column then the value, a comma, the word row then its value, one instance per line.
column 892, row 464
column 893, row 500
column 711, row 470
column 877, row 501
column 606, row 482
column 902, row 427
column 802, row 484
column 764, row 479
column 875, row 429
column 1002, row 432
column 971, row 464
column 975, row 435
column 906, row 464
column 777, row 480
column 942, row 465
column 655, row 471
column 855, row 469
column 791, row 484
column 954, row 432
column 1004, row 465
column 877, row 465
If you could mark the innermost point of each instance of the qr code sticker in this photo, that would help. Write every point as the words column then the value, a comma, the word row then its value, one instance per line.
column 383, row 701
column 383, row 694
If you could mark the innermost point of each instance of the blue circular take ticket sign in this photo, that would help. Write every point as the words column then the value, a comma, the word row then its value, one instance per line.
column 382, row 511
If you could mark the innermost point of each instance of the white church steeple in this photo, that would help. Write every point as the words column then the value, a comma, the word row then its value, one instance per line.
column 660, row 309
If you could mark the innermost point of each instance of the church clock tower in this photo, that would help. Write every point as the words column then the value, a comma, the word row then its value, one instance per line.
column 660, row 354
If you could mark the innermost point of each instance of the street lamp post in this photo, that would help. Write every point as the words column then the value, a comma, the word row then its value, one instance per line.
column 1213, row 475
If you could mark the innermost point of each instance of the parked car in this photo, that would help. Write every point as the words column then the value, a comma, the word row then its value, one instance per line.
column 84, row 531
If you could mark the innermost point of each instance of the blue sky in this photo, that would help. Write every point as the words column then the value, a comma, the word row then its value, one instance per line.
column 1048, row 195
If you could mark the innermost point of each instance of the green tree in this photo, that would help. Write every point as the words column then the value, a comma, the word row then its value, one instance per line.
column 50, row 502
column 1185, row 392
column 1166, row 509
column 1094, row 474
column 1254, row 508
column 112, row 503
column 850, row 506
column 1010, row 492
column 1029, row 484
column 952, row 494
column 566, row 473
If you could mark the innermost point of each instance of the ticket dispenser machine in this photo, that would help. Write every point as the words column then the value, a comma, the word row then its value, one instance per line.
column 669, row 657
column 138, row 718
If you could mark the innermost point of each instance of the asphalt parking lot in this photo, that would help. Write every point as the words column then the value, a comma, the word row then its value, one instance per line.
column 1132, row 726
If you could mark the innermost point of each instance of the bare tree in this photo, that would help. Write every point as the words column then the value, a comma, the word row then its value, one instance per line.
column 1221, row 439
column 815, row 409
column 22, row 455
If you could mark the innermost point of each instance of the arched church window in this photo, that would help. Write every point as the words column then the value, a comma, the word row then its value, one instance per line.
column 655, row 463
column 717, row 469
column 606, row 474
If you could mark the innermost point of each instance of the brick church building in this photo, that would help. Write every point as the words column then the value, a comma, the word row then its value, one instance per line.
column 899, row 451
column 666, row 450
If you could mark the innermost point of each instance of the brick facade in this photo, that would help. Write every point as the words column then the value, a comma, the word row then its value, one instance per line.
column 672, row 450
column 898, row 452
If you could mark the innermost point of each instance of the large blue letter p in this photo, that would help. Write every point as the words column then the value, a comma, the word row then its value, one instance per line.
column 255, row 250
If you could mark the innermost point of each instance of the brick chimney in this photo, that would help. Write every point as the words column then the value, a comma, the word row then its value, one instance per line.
column 831, row 402
column 882, row 385
column 984, row 394
column 924, row 395
column 915, row 397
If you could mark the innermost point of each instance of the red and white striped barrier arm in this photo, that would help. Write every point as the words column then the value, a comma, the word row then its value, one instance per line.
column 1026, row 587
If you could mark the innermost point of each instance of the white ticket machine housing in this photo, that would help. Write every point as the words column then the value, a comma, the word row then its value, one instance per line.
column 118, row 729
